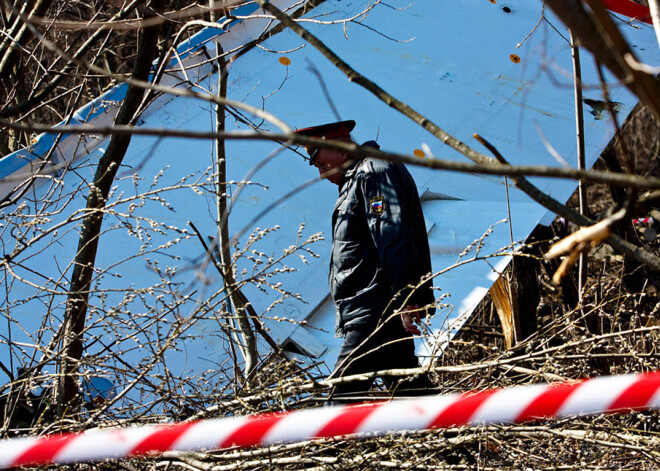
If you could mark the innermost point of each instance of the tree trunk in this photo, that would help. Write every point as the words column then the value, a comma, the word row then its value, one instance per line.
column 66, row 390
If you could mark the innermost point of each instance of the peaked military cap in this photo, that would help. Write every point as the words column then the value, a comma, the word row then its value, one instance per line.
column 329, row 130
column 338, row 130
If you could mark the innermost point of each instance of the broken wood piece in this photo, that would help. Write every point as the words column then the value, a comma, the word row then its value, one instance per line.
column 581, row 241
column 507, row 310
column 592, row 234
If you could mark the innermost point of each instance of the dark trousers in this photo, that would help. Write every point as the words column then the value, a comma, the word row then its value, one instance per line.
column 368, row 348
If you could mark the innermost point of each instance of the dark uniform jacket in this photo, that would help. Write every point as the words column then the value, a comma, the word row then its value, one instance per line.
column 380, row 246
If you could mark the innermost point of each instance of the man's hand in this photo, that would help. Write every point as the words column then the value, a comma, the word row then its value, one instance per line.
column 410, row 317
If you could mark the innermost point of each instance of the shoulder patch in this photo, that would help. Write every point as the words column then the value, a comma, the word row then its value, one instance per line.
column 377, row 205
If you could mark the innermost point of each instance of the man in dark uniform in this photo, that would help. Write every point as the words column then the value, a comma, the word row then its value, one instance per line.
column 380, row 266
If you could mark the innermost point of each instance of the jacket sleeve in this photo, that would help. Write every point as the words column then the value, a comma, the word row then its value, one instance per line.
column 384, row 203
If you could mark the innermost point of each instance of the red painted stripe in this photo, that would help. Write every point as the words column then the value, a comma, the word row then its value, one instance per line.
column 252, row 431
column 460, row 412
column 347, row 421
column 44, row 450
column 638, row 394
column 160, row 439
column 548, row 402
column 629, row 8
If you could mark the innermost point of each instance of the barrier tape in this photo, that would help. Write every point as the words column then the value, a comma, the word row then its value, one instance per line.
column 643, row 221
column 608, row 394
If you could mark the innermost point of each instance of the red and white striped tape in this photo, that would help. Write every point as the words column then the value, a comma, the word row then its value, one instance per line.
column 609, row 394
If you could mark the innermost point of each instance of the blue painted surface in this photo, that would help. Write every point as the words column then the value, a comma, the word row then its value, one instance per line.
column 97, row 107
column 456, row 71
column 15, row 162
column 208, row 34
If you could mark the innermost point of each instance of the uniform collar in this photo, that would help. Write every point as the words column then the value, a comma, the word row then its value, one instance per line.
column 349, row 173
